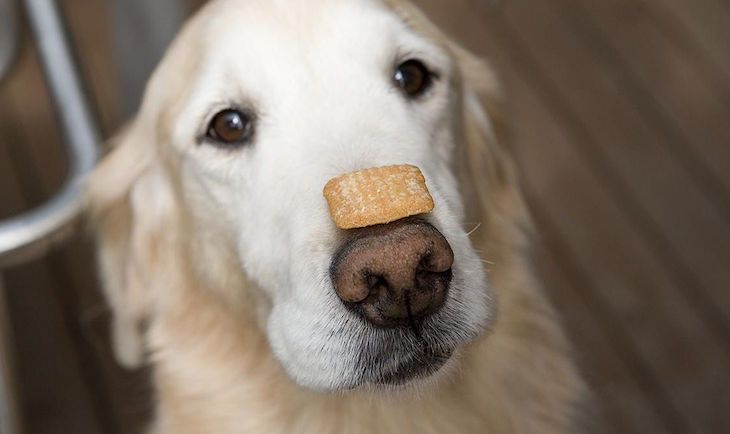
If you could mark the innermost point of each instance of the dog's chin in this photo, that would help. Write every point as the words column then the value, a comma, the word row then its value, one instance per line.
column 413, row 371
column 357, row 356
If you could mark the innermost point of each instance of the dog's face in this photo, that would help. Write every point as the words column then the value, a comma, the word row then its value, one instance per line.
column 285, row 96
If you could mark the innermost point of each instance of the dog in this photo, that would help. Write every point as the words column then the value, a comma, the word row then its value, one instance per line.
column 217, row 253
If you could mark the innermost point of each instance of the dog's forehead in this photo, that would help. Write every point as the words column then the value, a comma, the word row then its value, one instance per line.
column 305, row 32
column 294, row 13
column 280, row 57
column 307, row 19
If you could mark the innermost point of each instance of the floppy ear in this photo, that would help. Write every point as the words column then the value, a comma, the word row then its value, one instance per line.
column 488, row 175
column 130, row 203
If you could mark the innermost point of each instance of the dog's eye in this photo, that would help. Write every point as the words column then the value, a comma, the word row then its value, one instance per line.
column 231, row 128
column 413, row 77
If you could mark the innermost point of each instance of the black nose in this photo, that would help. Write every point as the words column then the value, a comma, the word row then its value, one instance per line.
column 394, row 274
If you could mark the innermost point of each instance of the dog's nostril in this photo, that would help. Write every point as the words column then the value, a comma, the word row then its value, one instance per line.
column 395, row 273
column 374, row 281
column 425, row 275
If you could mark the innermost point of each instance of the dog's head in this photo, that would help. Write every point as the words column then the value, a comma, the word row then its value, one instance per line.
column 217, row 187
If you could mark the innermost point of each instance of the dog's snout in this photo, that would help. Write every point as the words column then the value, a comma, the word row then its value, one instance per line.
column 394, row 274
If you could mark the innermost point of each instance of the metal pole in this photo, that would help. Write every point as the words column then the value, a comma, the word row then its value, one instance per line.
column 29, row 235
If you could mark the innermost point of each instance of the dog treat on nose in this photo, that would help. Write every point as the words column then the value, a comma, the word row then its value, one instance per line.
column 377, row 196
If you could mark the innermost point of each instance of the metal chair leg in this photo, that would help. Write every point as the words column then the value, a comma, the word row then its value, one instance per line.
column 29, row 235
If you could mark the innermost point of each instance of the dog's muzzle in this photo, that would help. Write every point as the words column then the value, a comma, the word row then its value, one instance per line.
column 393, row 270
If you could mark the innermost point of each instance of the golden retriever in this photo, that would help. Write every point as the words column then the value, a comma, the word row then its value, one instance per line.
column 219, row 258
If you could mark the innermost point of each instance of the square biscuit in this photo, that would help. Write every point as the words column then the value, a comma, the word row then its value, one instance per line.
column 377, row 196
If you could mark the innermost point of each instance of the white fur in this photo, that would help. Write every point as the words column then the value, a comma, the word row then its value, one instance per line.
column 225, row 253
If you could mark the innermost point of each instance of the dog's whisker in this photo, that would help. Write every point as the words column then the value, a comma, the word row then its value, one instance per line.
column 468, row 234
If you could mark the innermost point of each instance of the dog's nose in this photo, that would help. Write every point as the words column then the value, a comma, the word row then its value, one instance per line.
column 394, row 274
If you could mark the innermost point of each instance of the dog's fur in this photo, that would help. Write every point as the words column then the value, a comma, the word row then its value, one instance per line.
column 199, row 310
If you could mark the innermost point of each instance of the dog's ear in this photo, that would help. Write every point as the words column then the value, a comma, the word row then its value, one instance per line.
column 132, row 207
column 488, row 175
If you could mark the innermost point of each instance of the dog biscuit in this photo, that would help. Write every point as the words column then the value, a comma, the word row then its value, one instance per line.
column 377, row 196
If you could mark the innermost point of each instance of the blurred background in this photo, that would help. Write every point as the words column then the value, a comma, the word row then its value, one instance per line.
column 618, row 114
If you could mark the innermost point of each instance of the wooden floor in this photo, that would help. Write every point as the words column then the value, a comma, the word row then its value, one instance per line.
column 620, row 117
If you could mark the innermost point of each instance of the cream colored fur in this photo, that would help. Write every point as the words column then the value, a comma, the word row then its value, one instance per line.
column 168, row 284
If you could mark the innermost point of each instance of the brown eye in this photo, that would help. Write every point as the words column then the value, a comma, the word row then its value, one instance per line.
column 413, row 77
column 231, row 127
